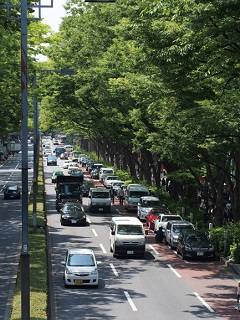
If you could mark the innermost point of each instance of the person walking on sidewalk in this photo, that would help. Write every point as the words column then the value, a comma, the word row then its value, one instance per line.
column 121, row 195
column 112, row 195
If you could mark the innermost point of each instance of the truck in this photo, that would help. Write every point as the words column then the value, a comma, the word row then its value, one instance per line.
column 13, row 147
column 68, row 189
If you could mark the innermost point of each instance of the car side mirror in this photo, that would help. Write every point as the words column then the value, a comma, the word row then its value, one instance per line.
column 63, row 263
column 113, row 233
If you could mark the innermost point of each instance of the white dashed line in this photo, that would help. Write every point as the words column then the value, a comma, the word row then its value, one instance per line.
column 94, row 232
column 102, row 247
column 203, row 302
column 153, row 249
column 114, row 270
column 173, row 270
column 130, row 301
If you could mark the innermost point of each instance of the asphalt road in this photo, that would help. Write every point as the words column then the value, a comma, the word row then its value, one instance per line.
column 10, row 230
column 160, row 286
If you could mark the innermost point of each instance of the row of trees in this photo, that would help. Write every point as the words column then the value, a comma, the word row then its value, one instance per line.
column 160, row 77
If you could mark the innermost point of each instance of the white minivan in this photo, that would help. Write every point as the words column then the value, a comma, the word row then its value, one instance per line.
column 104, row 172
column 127, row 237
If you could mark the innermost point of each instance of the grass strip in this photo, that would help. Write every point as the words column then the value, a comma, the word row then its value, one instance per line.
column 38, row 261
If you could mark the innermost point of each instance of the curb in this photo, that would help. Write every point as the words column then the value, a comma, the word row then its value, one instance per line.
column 231, row 265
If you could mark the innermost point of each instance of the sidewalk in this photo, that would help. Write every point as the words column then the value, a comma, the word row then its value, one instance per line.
column 228, row 263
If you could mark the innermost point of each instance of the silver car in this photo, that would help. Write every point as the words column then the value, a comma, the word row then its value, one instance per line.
column 173, row 229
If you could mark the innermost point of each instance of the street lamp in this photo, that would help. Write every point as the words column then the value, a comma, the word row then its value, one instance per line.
column 36, row 139
column 24, row 259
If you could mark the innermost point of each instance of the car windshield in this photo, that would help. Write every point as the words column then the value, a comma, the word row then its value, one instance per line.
column 112, row 178
column 137, row 194
column 118, row 184
column 72, row 208
column 100, row 195
column 200, row 238
column 150, row 203
column 178, row 229
column 167, row 218
column 69, row 190
column 129, row 229
column 82, row 260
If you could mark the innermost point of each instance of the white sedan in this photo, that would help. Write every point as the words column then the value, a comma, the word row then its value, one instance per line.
column 66, row 163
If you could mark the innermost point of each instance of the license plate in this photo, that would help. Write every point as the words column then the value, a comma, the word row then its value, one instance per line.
column 78, row 281
column 100, row 209
column 11, row 197
column 199, row 253
column 130, row 252
column 73, row 221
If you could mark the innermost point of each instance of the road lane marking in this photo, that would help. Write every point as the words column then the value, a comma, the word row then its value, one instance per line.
column 103, row 249
column 176, row 273
column 153, row 249
column 88, row 219
column 94, row 232
column 203, row 302
column 130, row 301
column 114, row 270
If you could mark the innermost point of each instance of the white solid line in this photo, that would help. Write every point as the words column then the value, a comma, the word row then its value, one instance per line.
column 152, row 248
column 176, row 273
column 103, row 249
column 114, row 270
column 130, row 301
column 203, row 302
column 94, row 232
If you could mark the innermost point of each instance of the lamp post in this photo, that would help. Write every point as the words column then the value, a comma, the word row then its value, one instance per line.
column 36, row 138
column 24, row 258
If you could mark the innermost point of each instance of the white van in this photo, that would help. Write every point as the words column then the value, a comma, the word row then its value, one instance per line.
column 127, row 237
column 104, row 172
column 133, row 193
column 99, row 200
column 68, row 148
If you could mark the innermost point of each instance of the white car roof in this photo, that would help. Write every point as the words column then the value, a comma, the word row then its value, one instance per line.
column 80, row 251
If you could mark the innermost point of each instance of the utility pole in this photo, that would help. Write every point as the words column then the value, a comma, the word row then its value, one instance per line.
column 24, row 258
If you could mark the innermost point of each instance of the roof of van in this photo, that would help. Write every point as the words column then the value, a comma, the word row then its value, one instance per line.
column 136, row 186
column 126, row 220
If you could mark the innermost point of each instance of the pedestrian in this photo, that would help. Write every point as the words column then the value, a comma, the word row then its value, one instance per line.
column 121, row 195
column 111, row 192
column 238, row 292
column 159, row 235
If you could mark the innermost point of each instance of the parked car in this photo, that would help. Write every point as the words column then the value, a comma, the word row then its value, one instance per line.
column 116, row 184
column 51, row 160
column 71, row 166
column 55, row 174
column 87, row 185
column 133, row 193
column 163, row 219
column 104, row 172
column 145, row 205
column 63, row 156
column 89, row 164
column 153, row 214
column 73, row 213
column 173, row 229
column 109, row 179
column 75, row 171
column 81, row 268
column 66, row 163
column 195, row 243
column 12, row 192
column 68, row 148
column 94, row 174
